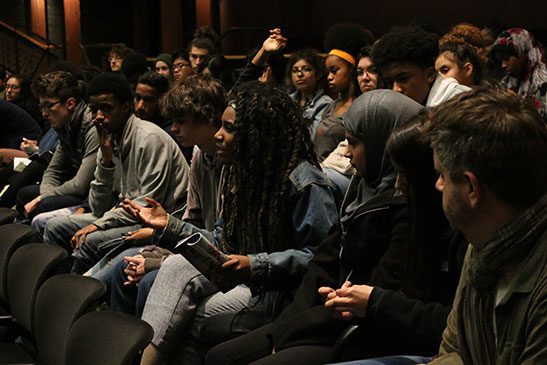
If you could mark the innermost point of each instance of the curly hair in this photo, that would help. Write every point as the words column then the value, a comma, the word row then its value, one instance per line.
column 348, row 37
column 406, row 45
column 270, row 140
column 58, row 84
column 110, row 83
column 202, row 97
column 153, row 79
column 464, row 43
column 316, row 62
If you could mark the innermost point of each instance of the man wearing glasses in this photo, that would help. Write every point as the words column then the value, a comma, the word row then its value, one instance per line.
column 67, row 178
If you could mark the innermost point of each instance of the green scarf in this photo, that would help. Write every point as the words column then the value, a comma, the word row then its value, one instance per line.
column 509, row 245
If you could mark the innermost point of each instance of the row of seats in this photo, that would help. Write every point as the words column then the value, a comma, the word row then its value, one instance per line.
column 55, row 316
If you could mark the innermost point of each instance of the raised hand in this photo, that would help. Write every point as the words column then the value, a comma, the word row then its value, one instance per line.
column 105, row 142
column 274, row 42
column 153, row 216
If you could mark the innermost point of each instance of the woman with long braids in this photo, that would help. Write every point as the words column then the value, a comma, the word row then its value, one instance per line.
column 367, row 247
column 276, row 208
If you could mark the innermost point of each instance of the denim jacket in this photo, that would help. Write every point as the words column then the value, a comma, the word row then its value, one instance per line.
column 314, row 214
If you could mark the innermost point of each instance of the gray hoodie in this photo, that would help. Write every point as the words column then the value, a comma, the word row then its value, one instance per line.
column 147, row 163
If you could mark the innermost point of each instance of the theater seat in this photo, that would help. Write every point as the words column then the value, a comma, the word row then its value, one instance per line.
column 30, row 266
column 7, row 215
column 61, row 300
column 12, row 236
column 122, row 339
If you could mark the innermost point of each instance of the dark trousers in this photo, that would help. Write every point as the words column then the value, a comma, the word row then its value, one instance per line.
column 256, row 348
column 129, row 299
column 47, row 204
column 32, row 174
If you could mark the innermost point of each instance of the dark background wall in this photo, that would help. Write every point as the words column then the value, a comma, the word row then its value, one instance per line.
column 304, row 22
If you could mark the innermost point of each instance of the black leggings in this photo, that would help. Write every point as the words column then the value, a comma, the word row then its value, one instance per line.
column 256, row 348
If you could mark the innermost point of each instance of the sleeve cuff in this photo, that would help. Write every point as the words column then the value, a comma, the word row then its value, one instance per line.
column 260, row 269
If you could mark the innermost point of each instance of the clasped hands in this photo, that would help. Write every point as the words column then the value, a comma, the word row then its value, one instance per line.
column 348, row 301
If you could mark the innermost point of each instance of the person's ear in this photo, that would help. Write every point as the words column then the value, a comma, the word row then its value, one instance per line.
column 71, row 103
column 468, row 70
column 473, row 192
column 431, row 74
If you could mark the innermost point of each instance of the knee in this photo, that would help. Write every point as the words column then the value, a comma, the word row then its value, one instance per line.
column 55, row 231
column 118, row 273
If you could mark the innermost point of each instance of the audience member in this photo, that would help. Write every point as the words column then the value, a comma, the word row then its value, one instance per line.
column 368, row 76
column 266, row 65
column 494, row 193
column 66, row 180
column 195, row 106
column 275, row 212
column 16, row 125
column 462, row 55
column 163, row 64
column 150, row 88
column 343, row 42
column 18, row 92
column 367, row 247
column 115, row 58
column 134, row 65
column 129, row 164
column 522, row 58
column 406, row 58
column 307, row 79
column 430, row 274
column 202, row 46
column 218, row 67
column 181, row 65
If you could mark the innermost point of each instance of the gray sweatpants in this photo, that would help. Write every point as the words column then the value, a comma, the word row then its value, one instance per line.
column 181, row 298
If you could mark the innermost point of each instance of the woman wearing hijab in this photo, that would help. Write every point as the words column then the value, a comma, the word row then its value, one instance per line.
column 368, row 246
column 522, row 58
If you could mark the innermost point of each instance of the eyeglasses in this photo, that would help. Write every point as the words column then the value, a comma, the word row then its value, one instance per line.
column 48, row 106
column 181, row 65
column 306, row 70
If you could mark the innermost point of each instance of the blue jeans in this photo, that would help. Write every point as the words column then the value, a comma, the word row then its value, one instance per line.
column 60, row 230
column 129, row 299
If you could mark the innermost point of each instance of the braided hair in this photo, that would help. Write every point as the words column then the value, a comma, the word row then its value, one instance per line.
column 270, row 140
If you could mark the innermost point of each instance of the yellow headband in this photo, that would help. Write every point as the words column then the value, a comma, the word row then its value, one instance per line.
column 343, row 55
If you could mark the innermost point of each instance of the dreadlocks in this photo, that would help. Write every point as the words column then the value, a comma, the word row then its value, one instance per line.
column 270, row 140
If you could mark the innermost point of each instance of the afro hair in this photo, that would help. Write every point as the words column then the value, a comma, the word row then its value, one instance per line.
column 110, row 83
column 348, row 37
column 406, row 45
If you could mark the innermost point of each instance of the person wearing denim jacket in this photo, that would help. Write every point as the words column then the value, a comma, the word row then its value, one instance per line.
column 273, row 275
column 276, row 207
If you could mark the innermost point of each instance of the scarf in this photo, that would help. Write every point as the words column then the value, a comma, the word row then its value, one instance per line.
column 533, row 83
column 509, row 245
column 371, row 119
